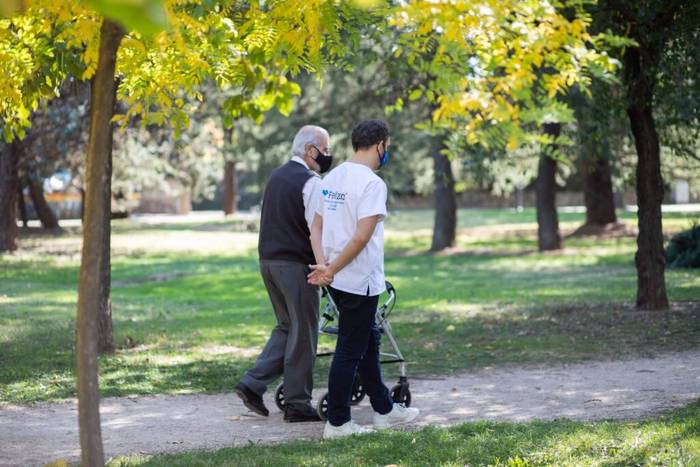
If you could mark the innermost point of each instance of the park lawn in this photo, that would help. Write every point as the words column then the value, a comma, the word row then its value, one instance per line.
column 190, row 312
column 671, row 439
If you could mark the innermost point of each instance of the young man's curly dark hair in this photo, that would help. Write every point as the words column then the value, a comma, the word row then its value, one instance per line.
column 368, row 133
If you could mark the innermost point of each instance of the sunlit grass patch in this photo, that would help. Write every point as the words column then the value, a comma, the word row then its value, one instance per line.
column 194, row 319
column 672, row 439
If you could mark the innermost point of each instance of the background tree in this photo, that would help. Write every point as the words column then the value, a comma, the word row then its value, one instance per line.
column 368, row 81
column 499, row 84
column 548, row 236
column 55, row 141
column 33, row 67
column 445, row 224
column 664, row 33
column 230, row 178
column 9, row 188
column 599, row 134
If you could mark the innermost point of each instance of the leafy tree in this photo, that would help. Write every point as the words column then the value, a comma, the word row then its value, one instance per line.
column 368, row 81
column 665, row 56
column 498, row 72
column 238, row 45
column 55, row 141
column 498, row 67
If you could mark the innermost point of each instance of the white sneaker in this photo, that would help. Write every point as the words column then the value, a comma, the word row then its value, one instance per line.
column 399, row 415
column 346, row 429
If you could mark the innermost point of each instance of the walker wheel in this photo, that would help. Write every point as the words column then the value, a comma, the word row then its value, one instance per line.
column 279, row 396
column 358, row 392
column 322, row 407
column 401, row 394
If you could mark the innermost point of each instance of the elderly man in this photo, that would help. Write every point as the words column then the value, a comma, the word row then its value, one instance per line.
column 292, row 196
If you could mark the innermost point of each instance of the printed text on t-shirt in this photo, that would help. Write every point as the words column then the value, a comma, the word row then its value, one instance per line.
column 333, row 199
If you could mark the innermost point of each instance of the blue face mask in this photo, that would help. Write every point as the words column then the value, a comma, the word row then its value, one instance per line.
column 384, row 158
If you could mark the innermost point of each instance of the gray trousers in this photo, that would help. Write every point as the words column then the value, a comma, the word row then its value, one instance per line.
column 291, row 349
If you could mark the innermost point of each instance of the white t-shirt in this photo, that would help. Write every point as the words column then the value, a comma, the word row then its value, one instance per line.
column 311, row 194
column 352, row 192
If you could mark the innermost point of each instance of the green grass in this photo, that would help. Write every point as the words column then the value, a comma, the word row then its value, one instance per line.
column 672, row 439
column 406, row 219
column 190, row 311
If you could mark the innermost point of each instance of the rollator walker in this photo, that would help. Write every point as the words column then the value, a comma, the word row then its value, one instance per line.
column 400, row 392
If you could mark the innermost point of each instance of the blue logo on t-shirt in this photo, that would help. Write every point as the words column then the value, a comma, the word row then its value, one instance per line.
column 333, row 199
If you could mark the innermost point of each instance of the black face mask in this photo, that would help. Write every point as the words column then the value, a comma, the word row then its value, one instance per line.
column 324, row 161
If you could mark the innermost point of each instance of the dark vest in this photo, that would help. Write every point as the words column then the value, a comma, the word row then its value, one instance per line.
column 284, row 234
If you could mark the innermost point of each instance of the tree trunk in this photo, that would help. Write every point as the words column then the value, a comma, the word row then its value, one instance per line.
column 102, row 101
column 230, row 187
column 43, row 211
column 519, row 199
column 104, row 324
column 82, row 205
column 21, row 205
column 9, row 181
column 548, row 236
column 445, row 227
column 598, row 192
column 649, row 259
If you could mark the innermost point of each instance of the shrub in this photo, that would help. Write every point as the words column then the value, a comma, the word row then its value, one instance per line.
column 683, row 250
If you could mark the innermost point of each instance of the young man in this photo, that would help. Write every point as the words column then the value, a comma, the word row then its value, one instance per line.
column 290, row 201
column 347, row 237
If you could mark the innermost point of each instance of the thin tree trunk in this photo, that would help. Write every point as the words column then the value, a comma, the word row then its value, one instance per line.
column 82, row 205
column 104, row 325
column 99, row 147
column 21, row 205
column 230, row 187
column 43, row 211
column 445, row 226
column 548, row 236
column 9, row 181
column 619, row 197
column 649, row 259
column 596, row 133
column 598, row 192
column 230, row 181
column 519, row 199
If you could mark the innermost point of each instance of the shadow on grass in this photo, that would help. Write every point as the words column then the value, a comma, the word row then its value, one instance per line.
column 121, row 376
column 453, row 314
column 220, row 302
column 37, row 361
column 436, row 342
column 237, row 225
column 137, row 269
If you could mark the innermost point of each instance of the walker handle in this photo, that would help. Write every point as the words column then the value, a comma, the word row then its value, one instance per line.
column 390, row 288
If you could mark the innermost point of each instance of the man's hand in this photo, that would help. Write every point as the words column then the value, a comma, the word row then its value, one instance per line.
column 321, row 275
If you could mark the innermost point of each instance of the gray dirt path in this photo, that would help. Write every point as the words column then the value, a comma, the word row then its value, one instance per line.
column 626, row 389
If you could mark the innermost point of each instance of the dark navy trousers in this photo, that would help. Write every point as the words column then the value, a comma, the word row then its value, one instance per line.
column 356, row 352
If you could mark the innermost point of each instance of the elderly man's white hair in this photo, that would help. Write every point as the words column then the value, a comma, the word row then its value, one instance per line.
column 309, row 134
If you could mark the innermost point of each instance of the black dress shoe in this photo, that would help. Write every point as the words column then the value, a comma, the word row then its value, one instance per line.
column 251, row 400
column 300, row 413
